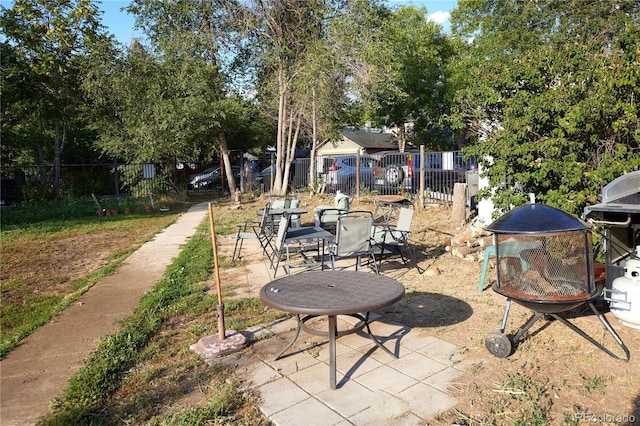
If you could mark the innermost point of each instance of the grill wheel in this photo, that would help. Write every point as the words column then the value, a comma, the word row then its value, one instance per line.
column 498, row 344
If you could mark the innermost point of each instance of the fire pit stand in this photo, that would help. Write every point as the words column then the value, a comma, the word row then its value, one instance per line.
column 502, row 345
column 545, row 263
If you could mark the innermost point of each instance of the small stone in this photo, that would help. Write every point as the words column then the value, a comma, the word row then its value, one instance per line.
column 432, row 272
column 212, row 347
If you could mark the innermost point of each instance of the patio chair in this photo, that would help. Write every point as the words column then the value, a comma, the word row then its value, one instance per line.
column 279, row 243
column 285, row 202
column 295, row 218
column 392, row 240
column 254, row 231
column 353, row 239
column 327, row 216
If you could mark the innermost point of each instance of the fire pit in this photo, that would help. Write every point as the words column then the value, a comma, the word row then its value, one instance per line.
column 545, row 263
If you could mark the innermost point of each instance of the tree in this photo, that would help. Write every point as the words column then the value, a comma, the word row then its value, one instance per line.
column 283, row 32
column 406, row 82
column 326, row 103
column 48, row 40
column 171, row 98
column 552, row 88
column 157, row 110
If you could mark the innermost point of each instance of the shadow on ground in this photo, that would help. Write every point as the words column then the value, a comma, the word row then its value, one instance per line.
column 421, row 309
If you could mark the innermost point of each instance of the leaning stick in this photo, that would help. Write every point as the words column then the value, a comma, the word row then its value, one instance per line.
column 220, row 307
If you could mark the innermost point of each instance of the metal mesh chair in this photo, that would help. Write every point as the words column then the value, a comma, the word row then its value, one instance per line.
column 327, row 216
column 393, row 240
column 254, row 231
column 279, row 244
column 353, row 239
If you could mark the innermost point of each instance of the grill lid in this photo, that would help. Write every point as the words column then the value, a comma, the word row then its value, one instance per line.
column 621, row 195
column 536, row 218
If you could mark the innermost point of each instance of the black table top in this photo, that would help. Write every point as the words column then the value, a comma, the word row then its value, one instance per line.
column 308, row 233
column 290, row 210
column 331, row 292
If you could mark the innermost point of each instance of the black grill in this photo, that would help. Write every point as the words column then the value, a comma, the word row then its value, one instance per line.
column 619, row 214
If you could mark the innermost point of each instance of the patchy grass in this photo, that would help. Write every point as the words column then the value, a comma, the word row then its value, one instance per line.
column 50, row 258
column 596, row 384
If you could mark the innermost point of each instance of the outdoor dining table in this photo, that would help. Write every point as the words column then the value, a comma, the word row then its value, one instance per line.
column 388, row 207
column 279, row 212
column 332, row 293
column 311, row 236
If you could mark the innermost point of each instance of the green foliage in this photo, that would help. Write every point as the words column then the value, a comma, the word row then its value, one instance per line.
column 550, row 94
column 42, row 56
column 597, row 383
column 222, row 407
column 150, row 109
column 409, row 62
column 43, row 216
column 529, row 394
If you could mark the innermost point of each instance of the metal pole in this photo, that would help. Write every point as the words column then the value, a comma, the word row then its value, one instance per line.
column 116, row 178
column 358, row 171
column 421, row 198
column 220, row 307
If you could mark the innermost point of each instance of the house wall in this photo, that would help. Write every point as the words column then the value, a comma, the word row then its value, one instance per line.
column 344, row 147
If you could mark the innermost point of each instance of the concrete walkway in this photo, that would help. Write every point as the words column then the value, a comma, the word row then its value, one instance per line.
column 373, row 387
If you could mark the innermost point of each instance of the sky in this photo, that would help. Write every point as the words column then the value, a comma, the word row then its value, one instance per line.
column 120, row 23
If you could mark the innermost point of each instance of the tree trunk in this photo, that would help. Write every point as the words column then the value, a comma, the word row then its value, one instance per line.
column 276, row 186
column 459, row 211
column 314, row 144
column 224, row 150
column 402, row 138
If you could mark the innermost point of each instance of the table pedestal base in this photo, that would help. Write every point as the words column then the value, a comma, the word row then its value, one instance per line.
column 333, row 333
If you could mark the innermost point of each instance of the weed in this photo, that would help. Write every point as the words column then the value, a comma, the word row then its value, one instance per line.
column 198, row 329
column 526, row 393
column 475, row 367
column 598, row 384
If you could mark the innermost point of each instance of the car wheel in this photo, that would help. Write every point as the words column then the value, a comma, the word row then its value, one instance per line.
column 394, row 175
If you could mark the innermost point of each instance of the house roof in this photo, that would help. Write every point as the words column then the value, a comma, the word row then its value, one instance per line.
column 371, row 140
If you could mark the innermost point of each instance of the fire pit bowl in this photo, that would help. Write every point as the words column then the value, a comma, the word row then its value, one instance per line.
column 544, row 259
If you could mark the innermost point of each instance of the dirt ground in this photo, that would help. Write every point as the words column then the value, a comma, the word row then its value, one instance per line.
column 553, row 373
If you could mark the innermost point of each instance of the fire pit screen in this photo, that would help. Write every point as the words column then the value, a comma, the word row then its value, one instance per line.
column 544, row 263
column 548, row 269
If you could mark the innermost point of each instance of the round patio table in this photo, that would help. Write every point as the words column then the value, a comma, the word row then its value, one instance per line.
column 332, row 293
